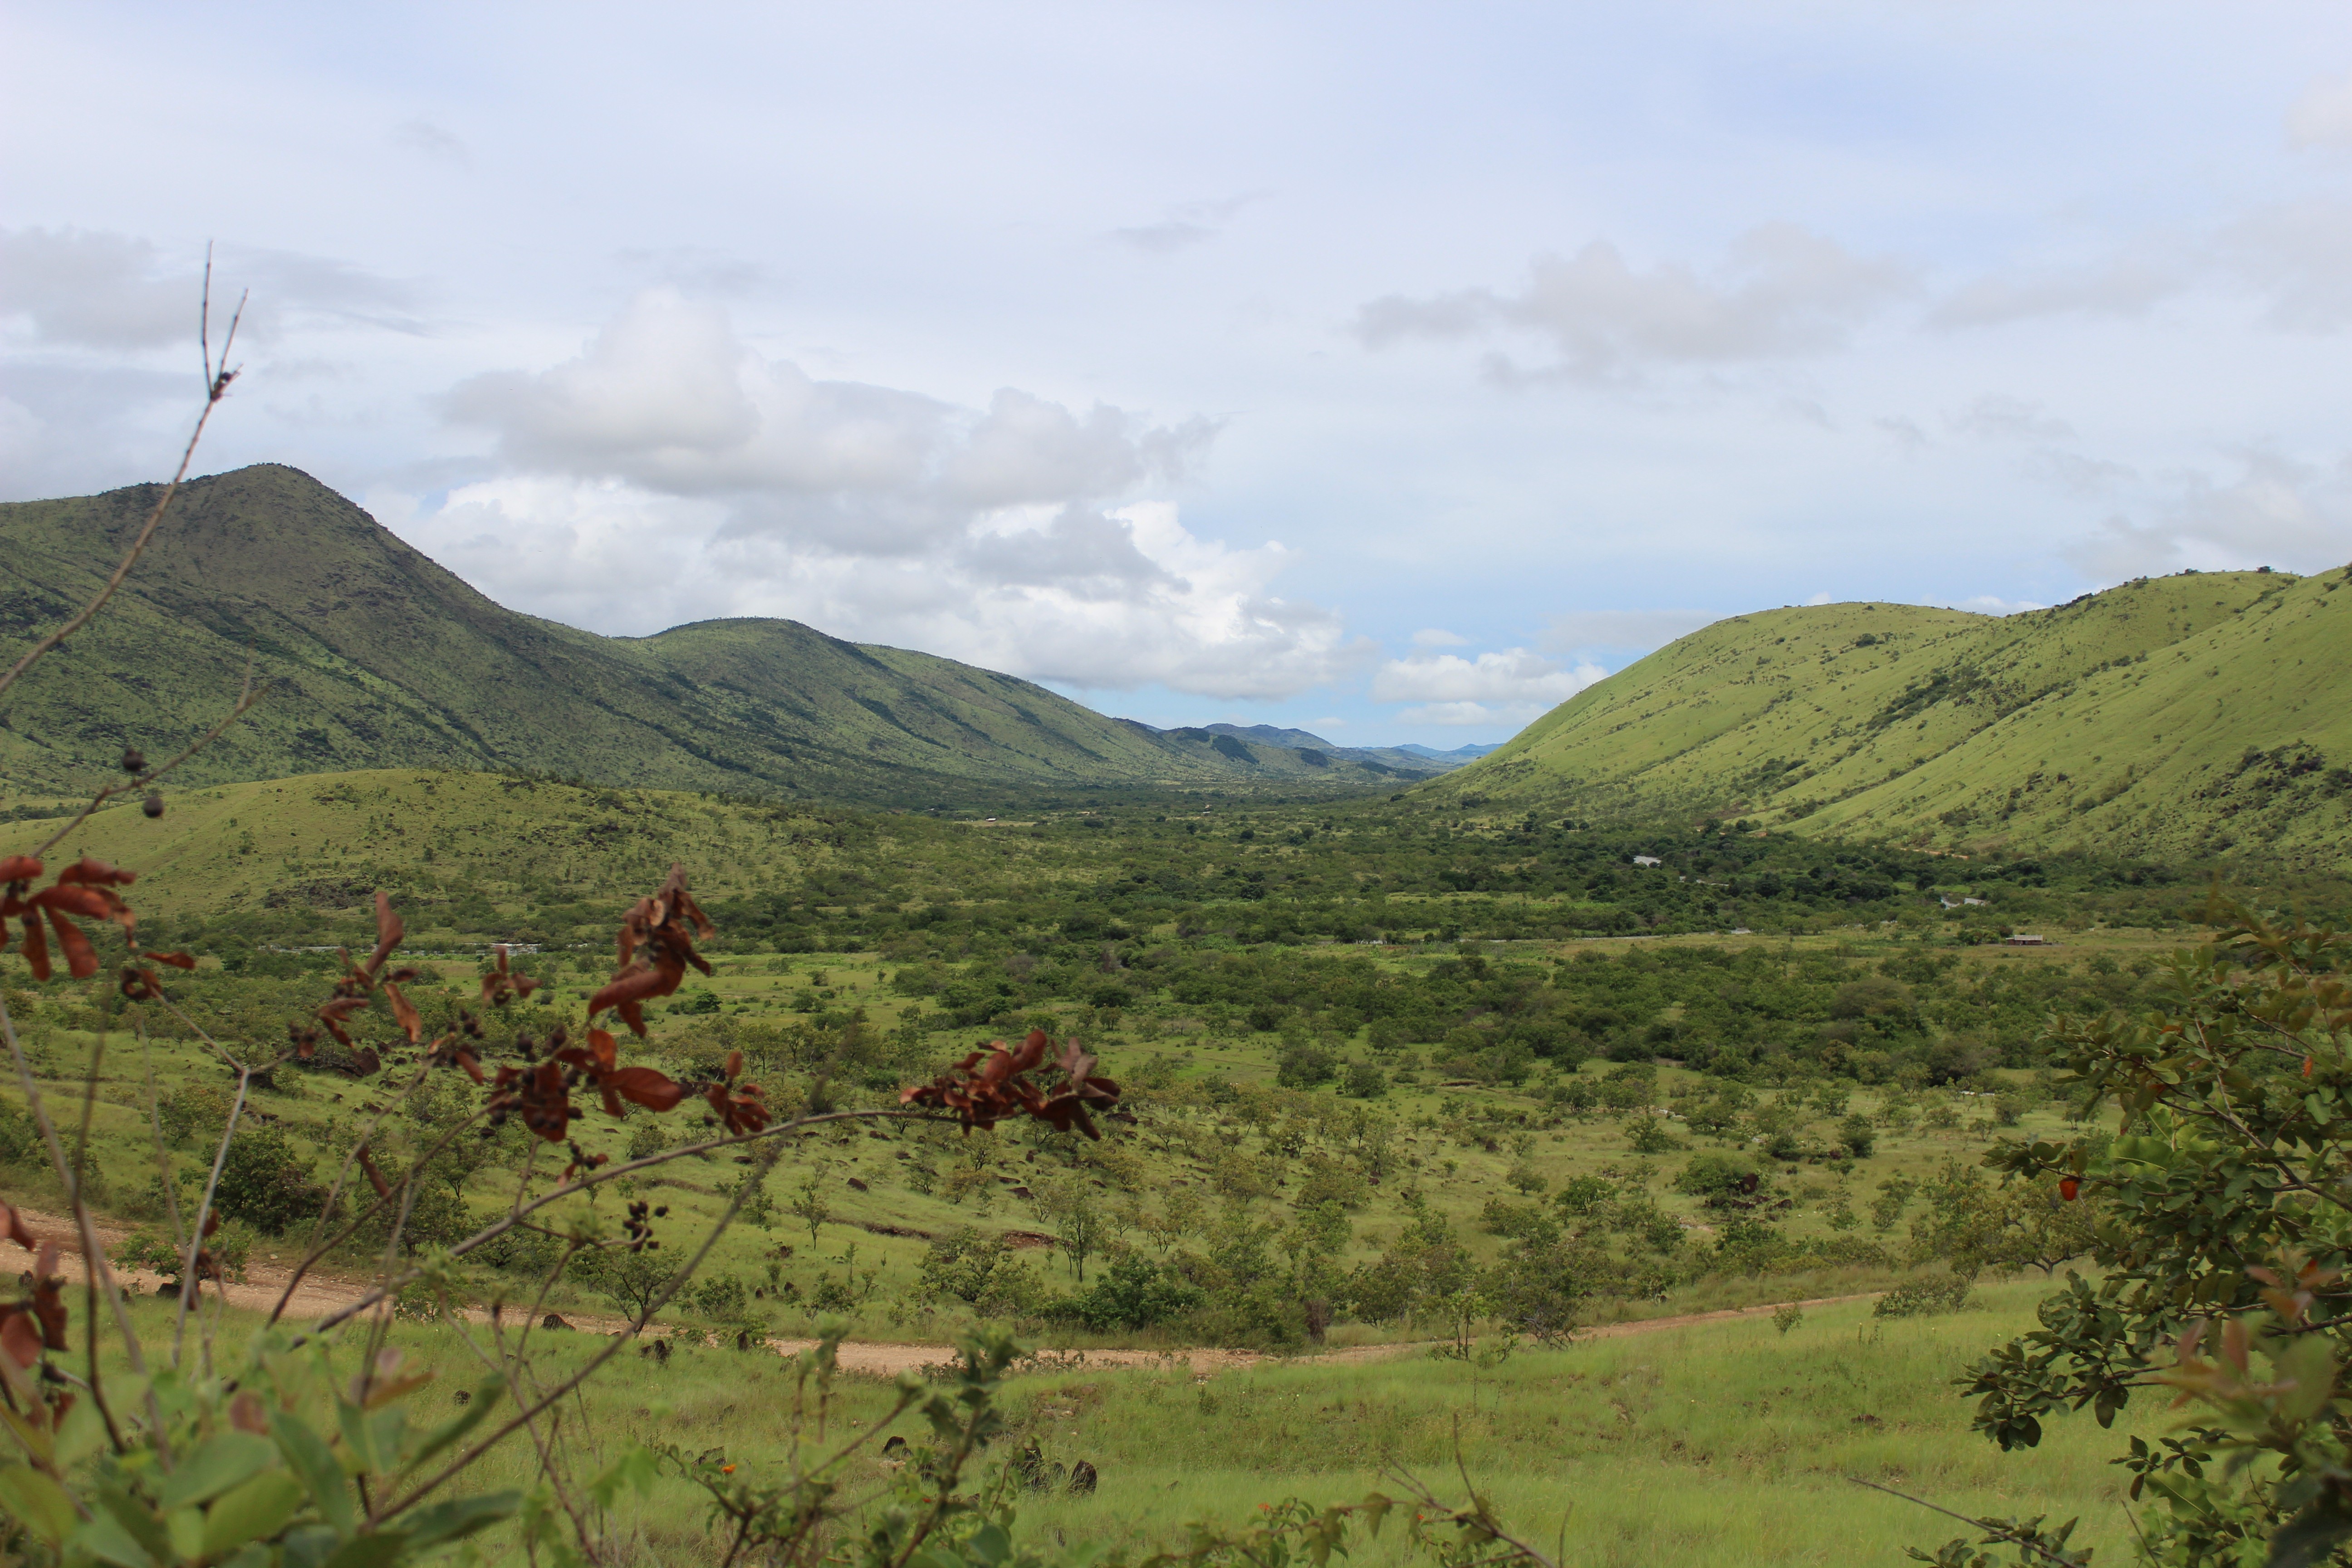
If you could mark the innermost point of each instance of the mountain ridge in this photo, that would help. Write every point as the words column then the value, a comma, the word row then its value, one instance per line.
column 2188, row 716
column 377, row 656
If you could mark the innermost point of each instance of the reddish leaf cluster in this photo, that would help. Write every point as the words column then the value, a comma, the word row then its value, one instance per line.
column 540, row 1093
column 502, row 982
column 360, row 981
column 142, row 984
column 86, row 887
column 655, row 945
column 992, row 1083
column 37, row 1323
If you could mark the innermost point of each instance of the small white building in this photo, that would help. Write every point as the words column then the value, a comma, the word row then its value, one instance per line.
column 2023, row 940
column 1647, row 860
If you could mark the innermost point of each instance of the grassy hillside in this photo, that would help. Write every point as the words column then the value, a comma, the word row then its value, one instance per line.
column 2184, row 717
column 478, row 858
column 375, row 656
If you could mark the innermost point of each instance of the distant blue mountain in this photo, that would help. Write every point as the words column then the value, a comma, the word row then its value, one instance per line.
column 1458, row 756
column 1408, row 763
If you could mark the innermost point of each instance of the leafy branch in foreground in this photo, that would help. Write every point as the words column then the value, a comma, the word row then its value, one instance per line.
column 2224, row 1230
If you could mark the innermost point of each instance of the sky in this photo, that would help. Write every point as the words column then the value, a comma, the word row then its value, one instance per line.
column 1389, row 371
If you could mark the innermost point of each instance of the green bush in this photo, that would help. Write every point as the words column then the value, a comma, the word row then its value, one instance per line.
column 262, row 1181
column 1719, row 1181
column 1133, row 1293
column 1305, row 1065
column 1923, row 1297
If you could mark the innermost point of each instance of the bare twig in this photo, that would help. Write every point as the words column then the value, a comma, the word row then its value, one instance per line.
column 93, row 1256
column 1990, row 1527
column 217, row 384
column 188, row 1283
column 246, row 696
column 677, row 1282
column 514, row 1220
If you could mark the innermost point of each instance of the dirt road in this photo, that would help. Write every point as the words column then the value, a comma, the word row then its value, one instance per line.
column 317, row 1295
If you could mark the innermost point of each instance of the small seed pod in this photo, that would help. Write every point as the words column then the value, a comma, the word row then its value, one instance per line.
column 133, row 761
column 153, row 805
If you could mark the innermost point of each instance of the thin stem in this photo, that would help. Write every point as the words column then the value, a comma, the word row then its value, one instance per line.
column 155, row 1126
column 573, row 1189
column 215, row 388
column 676, row 1283
column 90, row 1264
column 1989, row 1526
column 93, row 1257
column 246, row 698
column 188, row 1282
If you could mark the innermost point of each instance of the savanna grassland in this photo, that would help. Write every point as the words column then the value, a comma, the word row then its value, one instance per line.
column 1399, row 1076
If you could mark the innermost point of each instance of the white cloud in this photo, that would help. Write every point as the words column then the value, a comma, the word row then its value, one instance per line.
column 1992, row 605
column 670, row 473
column 1637, row 629
column 78, row 288
column 1997, row 416
column 1514, row 679
column 94, row 291
column 1438, row 636
column 1515, row 715
column 425, row 137
column 1780, row 290
column 1191, row 224
column 2275, row 511
column 2122, row 285
column 1096, row 600
column 668, row 398
column 2321, row 117
column 2293, row 257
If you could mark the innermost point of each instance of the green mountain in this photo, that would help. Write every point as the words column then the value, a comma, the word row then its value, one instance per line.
column 2188, row 717
column 1408, row 760
column 375, row 656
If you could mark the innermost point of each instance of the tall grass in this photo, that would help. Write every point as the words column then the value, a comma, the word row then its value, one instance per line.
column 1727, row 1443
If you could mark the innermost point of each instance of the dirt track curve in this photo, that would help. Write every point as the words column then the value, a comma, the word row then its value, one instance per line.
column 317, row 1295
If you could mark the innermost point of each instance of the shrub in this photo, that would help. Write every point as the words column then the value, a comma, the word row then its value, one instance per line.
column 1648, row 1135
column 1719, row 1181
column 1133, row 1293
column 262, row 1181
column 1856, row 1133
column 193, row 1111
column 1923, row 1297
column 1581, row 1194
column 1304, row 1066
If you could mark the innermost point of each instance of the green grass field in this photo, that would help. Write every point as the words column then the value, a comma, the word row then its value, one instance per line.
column 1724, row 1443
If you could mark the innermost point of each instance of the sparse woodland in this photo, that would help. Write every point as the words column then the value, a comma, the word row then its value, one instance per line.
column 476, row 1148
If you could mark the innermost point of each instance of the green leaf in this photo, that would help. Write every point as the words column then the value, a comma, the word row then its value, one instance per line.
column 260, row 1507
column 39, row 1501
column 371, row 1550
column 637, row 1468
column 455, row 1519
column 105, row 1538
column 136, row 1520
column 186, row 1528
column 315, row 1464
column 82, row 1433
column 307, row 1545
column 486, row 1394
column 990, row 1545
column 358, row 1439
column 218, row 1464
column 2310, row 1363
